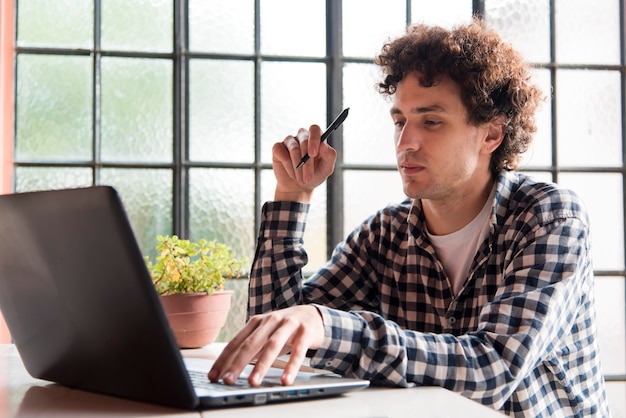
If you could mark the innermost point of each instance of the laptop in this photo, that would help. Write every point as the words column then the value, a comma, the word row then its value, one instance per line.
column 83, row 312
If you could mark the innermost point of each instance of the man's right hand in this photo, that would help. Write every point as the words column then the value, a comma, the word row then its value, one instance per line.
column 298, row 185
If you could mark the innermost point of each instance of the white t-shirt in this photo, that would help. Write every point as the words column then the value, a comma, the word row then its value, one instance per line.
column 456, row 251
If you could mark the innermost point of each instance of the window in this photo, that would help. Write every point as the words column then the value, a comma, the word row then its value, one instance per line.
column 177, row 103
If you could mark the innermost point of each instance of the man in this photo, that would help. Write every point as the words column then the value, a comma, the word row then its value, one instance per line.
column 481, row 282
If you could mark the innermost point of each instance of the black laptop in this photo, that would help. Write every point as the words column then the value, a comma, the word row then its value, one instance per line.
column 83, row 312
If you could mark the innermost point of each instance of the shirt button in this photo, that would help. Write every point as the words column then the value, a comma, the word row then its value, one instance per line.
column 451, row 321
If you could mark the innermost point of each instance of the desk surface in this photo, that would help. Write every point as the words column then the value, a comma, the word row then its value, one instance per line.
column 23, row 396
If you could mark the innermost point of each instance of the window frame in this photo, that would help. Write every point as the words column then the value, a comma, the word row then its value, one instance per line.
column 334, row 61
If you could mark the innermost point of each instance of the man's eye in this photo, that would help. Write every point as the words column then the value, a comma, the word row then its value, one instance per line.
column 399, row 123
column 433, row 122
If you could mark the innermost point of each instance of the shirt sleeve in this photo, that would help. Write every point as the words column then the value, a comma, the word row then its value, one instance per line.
column 347, row 282
column 276, row 276
column 544, row 291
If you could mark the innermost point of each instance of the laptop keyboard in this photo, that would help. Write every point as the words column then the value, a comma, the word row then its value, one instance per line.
column 200, row 380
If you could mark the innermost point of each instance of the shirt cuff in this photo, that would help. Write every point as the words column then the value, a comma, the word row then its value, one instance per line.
column 283, row 219
column 342, row 341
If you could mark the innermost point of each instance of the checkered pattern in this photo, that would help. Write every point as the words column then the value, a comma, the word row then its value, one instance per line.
column 520, row 337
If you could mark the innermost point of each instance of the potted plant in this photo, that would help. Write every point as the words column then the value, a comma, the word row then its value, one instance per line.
column 190, row 276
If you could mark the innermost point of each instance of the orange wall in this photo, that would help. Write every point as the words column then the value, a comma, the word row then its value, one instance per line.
column 6, row 112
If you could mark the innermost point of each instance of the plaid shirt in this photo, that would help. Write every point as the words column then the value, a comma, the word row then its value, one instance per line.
column 519, row 337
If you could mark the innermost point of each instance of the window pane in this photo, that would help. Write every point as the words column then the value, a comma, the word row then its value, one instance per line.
column 293, row 96
column 315, row 234
column 221, row 207
column 539, row 153
column 366, row 192
column 221, row 110
column 142, row 25
column 525, row 24
column 293, row 27
column 221, row 26
column 589, row 37
column 58, row 23
column 136, row 109
column 367, row 25
column 147, row 198
column 28, row 179
column 53, row 108
column 617, row 401
column 441, row 13
column 602, row 194
column 610, row 295
column 368, row 131
column 589, row 119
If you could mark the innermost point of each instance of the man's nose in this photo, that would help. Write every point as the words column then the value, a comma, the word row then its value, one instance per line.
column 407, row 139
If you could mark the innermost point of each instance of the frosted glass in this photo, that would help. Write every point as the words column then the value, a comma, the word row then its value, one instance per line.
column 610, row 292
column 366, row 192
column 315, row 233
column 587, row 32
column 221, row 207
column 524, row 24
column 221, row 26
column 136, row 109
column 293, row 27
column 58, row 23
column 589, row 115
column 602, row 194
column 147, row 197
column 53, row 107
column 446, row 13
column 221, row 110
column 28, row 179
column 293, row 96
column 142, row 25
column 367, row 25
column 539, row 153
column 368, row 131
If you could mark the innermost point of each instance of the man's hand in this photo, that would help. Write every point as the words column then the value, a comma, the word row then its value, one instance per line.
column 298, row 185
column 264, row 338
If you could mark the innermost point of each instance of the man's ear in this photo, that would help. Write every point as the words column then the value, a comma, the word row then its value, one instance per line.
column 495, row 133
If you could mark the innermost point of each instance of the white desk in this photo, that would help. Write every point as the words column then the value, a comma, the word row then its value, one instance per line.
column 23, row 396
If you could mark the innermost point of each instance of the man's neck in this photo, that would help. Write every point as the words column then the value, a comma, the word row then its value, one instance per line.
column 447, row 216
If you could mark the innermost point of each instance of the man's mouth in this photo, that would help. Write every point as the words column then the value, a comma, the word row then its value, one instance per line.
column 410, row 169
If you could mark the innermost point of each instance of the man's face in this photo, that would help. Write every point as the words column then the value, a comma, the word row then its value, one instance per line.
column 439, row 154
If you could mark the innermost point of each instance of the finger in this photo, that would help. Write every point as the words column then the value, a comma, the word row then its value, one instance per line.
column 297, row 146
column 313, row 146
column 281, row 157
column 314, row 136
column 274, row 347
column 243, row 348
column 296, row 358
column 230, row 353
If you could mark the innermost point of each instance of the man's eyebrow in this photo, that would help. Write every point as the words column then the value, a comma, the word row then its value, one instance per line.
column 425, row 109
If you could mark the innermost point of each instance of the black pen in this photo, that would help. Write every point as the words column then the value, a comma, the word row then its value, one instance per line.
column 336, row 124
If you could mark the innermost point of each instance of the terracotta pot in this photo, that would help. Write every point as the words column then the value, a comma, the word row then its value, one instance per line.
column 196, row 318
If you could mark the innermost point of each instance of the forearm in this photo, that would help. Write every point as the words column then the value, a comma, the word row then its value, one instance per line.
column 477, row 365
column 523, row 331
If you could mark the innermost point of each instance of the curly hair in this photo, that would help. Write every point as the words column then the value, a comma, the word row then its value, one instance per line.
column 493, row 77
